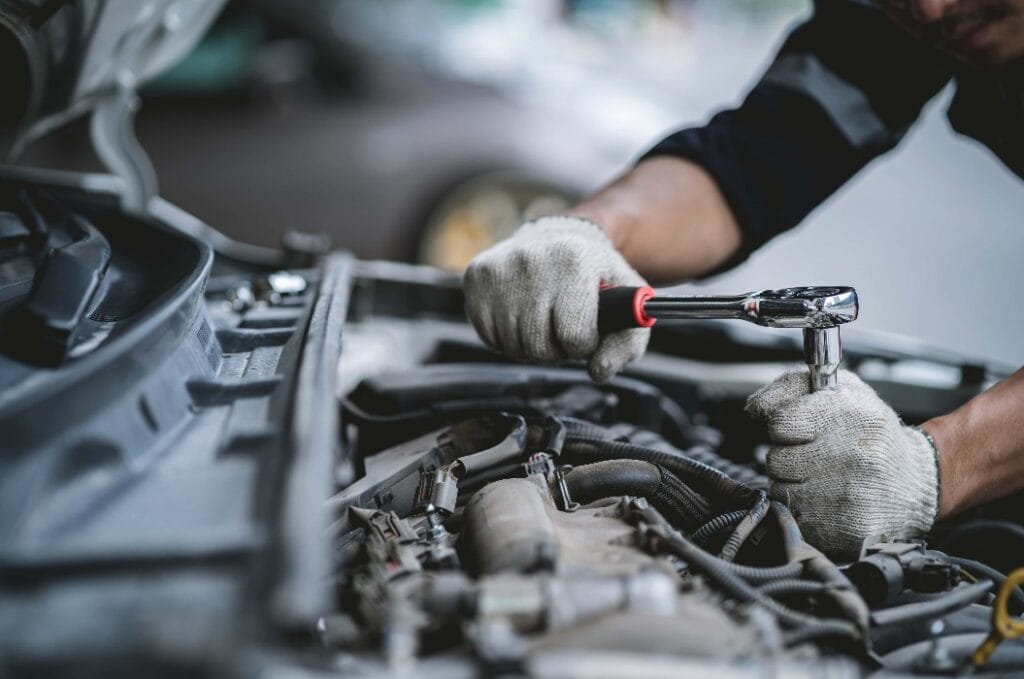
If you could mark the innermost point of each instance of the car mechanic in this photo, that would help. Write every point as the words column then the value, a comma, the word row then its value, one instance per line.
column 844, row 89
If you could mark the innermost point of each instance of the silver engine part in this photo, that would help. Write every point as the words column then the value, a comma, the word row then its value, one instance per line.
column 528, row 577
column 520, row 521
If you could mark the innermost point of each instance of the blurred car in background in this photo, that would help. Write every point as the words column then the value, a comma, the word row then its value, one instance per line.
column 274, row 124
column 417, row 131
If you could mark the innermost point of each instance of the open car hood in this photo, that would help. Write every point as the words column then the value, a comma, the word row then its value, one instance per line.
column 63, row 59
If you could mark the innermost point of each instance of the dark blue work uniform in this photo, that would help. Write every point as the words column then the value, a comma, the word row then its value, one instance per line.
column 844, row 89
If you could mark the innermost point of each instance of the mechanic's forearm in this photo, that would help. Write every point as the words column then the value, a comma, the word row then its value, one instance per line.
column 981, row 447
column 667, row 217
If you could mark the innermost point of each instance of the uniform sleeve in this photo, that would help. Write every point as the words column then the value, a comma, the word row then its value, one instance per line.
column 844, row 88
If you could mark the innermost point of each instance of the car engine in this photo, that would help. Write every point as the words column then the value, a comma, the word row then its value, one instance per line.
column 321, row 471
column 544, row 531
column 523, row 520
column 225, row 460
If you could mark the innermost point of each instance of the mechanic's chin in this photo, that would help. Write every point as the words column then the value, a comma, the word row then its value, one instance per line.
column 986, row 45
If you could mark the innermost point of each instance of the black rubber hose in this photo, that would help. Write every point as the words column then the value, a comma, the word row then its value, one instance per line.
column 575, row 427
column 968, row 620
column 508, row 450
column 745, row 527
column 673, row 413
column 701, row 454
column 932, row 608
column 756, row 574
column 741, row 473
column 996, row 542
column 716, row 525
column 692, row 508
column 445, row 411
column 608, row 478
column 790, row 587
column 710, row 482
column 737, row 588
column 761, row 574
column 821, row 568
column 792, row 538
column 1017, row 595
column 359, row 415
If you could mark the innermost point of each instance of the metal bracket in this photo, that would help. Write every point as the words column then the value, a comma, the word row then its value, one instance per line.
column 563, row 489
column 436, row 497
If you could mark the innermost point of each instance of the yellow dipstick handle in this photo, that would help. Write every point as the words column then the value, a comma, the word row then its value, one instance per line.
column 1004, row 626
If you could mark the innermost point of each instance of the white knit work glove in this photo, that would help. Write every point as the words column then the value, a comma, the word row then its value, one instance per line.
column 845, row 463
column 535, row 295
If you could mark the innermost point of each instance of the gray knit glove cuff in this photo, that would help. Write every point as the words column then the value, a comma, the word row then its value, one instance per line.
column 535, row 295
column 845, row 463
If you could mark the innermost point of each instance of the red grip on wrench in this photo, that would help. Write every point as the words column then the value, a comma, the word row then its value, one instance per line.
column 621, row 308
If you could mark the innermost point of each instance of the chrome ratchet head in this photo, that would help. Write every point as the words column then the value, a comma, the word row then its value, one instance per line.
column 819, row 311
column 807, row 307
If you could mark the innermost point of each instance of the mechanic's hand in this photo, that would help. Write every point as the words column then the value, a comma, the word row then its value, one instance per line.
column 535, row 295
column 845, row 463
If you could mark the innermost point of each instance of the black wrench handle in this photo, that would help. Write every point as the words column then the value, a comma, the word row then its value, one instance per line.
column 622, row 308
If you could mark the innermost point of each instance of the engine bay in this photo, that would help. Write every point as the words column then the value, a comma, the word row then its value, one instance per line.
column 521, row 519
column 321, row 471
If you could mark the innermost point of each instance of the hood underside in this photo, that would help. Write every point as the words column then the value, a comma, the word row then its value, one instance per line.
column 63, row 59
